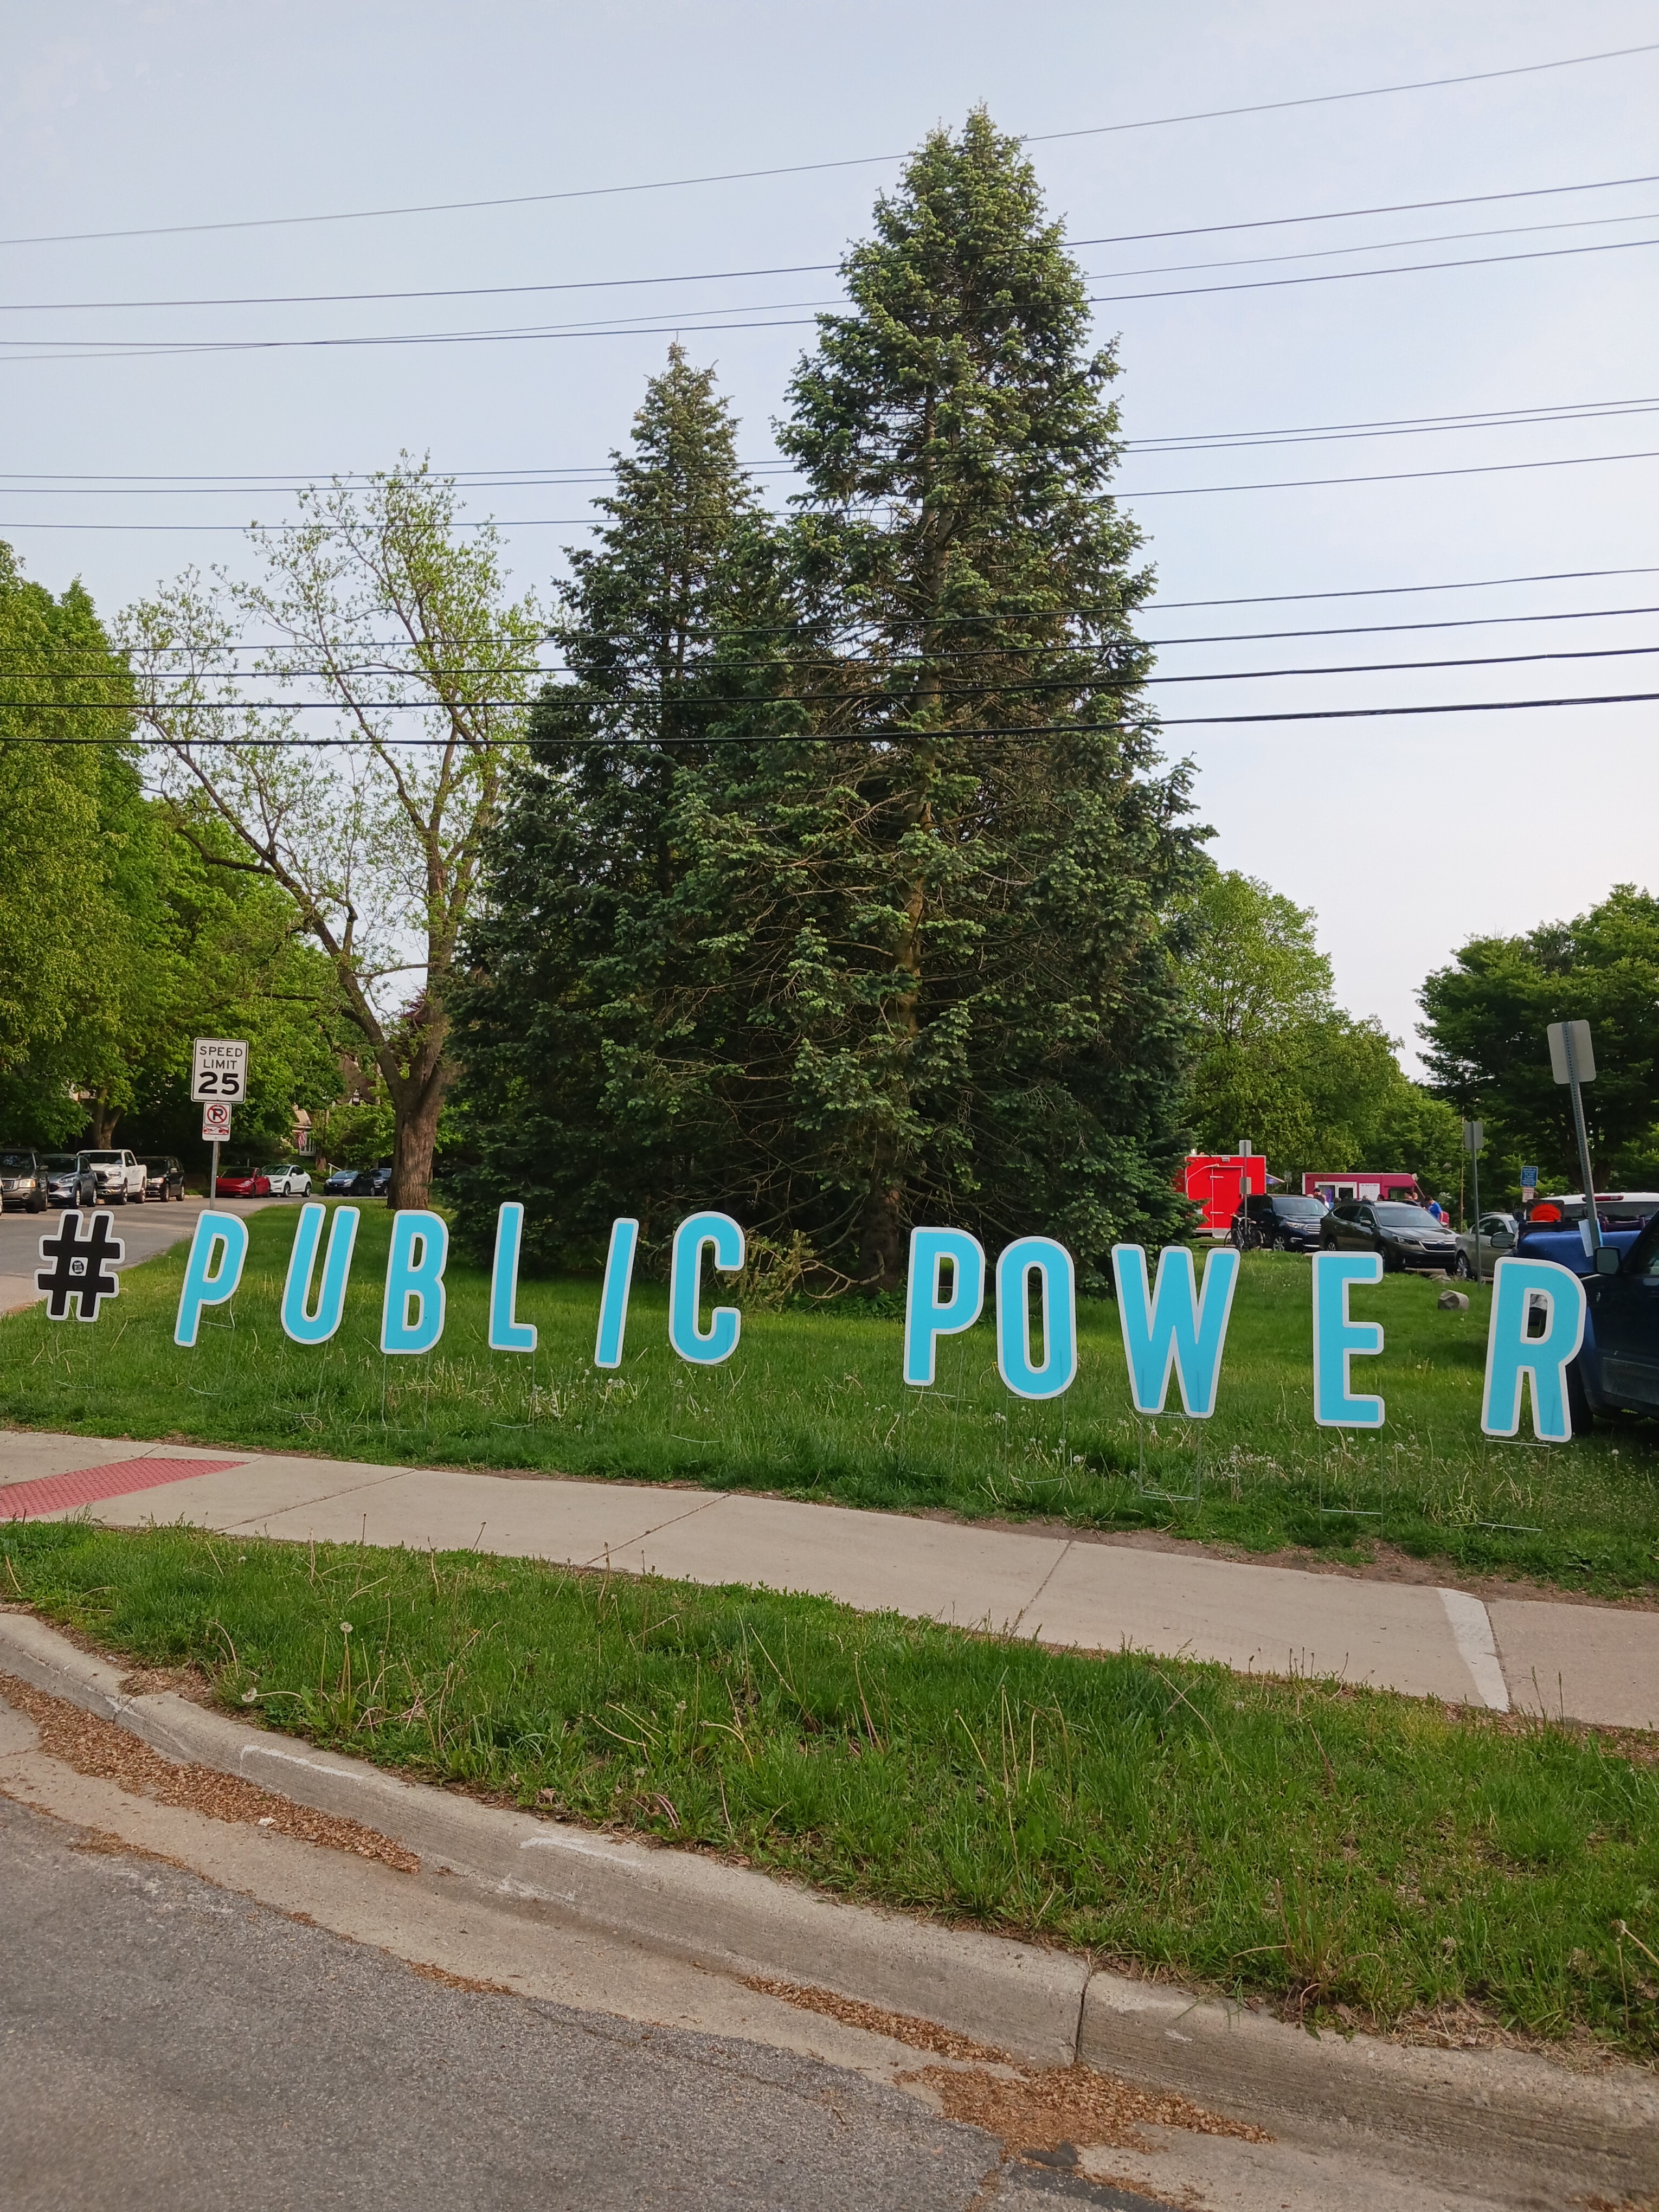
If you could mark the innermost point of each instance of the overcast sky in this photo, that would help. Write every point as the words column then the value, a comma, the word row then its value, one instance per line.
column 1407, row 836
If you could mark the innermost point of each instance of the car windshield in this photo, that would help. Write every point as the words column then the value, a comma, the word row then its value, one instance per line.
column 13, row 1161
column 1406, row 1216
column 102, row 1159
column 59, row 1162
column 1298, row 1207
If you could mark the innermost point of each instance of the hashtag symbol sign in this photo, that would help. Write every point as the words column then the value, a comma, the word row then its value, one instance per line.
column 78, row 1271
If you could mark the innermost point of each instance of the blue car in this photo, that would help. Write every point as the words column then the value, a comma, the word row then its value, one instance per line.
column 1617, row 1369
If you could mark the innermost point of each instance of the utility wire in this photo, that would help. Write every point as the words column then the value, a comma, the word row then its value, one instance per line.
column 60, row 483
column 897, row 666
column 885, row 736
column 764, row 318
column 1098, row 682
column 1129, row 493
column 856, row 161
column 795, row 269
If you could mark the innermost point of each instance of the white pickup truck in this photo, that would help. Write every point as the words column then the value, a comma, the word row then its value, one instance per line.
column 120, row 1176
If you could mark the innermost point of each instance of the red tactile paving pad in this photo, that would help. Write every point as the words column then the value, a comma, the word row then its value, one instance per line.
column 86, row 1485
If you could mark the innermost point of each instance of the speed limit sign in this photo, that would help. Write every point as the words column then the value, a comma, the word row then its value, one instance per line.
column 218, row 1069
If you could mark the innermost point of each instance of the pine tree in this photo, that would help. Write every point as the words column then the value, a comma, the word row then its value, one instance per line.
column 941, row 914
column 581, row 1089
column 840, row 894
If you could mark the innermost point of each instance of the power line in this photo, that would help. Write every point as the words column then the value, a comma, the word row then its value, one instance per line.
column 1373, row 591
column 62, row 483
column 762, row 319
column 656, row 699
column 1011, row 729
column 1166, row 491
column 796, row 269
column 1006, row 651
column 805, row 168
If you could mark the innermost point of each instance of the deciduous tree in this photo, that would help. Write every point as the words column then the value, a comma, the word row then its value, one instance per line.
column 380, row 608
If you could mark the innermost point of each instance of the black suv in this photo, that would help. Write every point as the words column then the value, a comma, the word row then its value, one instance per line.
column 163, row 1177
column 1277, row 1224
column 1406, row 1235
column 23, row 1181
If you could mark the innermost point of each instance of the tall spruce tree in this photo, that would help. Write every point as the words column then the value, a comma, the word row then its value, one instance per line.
column 583, row 1085
column 943, row 918
column 904, row 951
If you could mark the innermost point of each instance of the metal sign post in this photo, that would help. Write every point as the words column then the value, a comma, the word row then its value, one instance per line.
column 215, row 1130
column 1573, row 1062
column 218, row 1077
column 1474, row 1135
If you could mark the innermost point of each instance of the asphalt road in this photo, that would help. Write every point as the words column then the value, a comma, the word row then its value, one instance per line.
column 144, row 1231
column 166, row 2045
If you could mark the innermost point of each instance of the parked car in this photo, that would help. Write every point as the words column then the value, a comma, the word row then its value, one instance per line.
column 1279, row 1222
column 1617, row 1369
column 120, row 1176
column 287, row 1181
column 1406, row 1235
column 1497, row 1233
column 22, row 1182
column 358, row 1182
column 163, row 1177
column 70, row 1180
column 1614, row 1209
column 243, row 1181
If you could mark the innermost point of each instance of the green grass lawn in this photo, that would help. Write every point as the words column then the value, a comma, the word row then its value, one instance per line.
column 811, row 1405
column 1354, row 1856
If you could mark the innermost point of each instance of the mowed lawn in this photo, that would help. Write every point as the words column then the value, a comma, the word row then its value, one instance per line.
column 1355, row 1857
column 811, row 1405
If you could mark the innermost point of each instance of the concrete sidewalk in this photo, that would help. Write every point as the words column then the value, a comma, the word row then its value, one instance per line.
column 1594, row 1663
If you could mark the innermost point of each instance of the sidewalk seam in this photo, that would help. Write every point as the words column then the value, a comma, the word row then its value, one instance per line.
column 1477, row 1647
column 321, row 1497
column 1064, row 1551
column 603, row 1555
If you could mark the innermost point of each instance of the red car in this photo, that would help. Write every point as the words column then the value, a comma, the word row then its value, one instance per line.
column 242, row 1182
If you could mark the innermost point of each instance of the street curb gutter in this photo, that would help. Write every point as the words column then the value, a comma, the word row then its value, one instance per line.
column 1043, row 2007
column 1022, row 1999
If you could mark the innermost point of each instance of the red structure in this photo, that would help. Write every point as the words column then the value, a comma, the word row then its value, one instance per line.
column 1362, row 1182
column 1218, row 1182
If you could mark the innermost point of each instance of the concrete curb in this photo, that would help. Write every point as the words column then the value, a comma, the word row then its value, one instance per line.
column 1501, row 2105
column 1014, row 1995
column 1043, row 2007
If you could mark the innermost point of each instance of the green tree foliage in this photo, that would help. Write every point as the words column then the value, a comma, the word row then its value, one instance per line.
column 387, row 614
column 67, row 799
column 225, row 955
column 120, row 939
column 579, row 1088
column 1486, row 1016
column 1278, row 1063
column 885, row 944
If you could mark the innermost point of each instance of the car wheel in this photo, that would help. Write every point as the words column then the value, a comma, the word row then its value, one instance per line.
column 1462, row 1269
